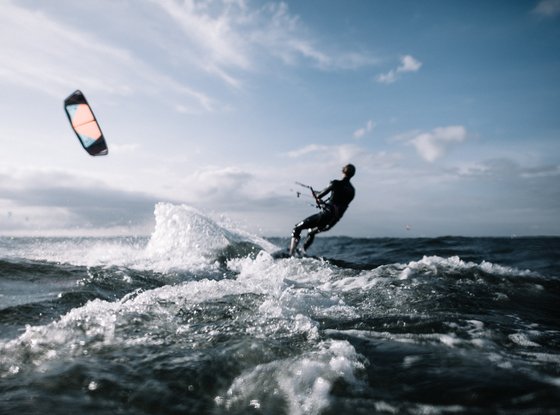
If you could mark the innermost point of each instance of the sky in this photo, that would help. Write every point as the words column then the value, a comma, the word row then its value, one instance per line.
column 449, row 109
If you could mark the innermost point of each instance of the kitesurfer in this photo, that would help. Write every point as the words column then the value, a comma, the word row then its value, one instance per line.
column 341, row 194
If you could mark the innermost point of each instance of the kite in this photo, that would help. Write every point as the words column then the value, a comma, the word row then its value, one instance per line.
column 85, row 124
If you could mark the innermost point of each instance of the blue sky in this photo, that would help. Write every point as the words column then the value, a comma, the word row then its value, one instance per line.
column 448, row 109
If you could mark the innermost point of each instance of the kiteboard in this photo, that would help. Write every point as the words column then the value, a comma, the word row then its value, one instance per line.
column 281, row 254
column 284, row 253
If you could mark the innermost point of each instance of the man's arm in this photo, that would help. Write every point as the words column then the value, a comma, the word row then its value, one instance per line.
column 324, row 192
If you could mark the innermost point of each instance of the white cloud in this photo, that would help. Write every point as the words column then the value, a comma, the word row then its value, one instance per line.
column 434, row 144
column 43, row 49
column 309, row 149
column 408, row 64
column 324, row 159
column 548, row 8
column 387, row 78
column 229, row 38
column 126, row 148
column 221, row 180
column 48, row 199
column 505, row 168
column 328, row 154
column 41, row 53
column 284, row 36
column 212, row 34
column 360, row 132
column 226, row 187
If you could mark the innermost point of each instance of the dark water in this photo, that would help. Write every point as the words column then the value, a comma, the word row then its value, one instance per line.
column 199, row 319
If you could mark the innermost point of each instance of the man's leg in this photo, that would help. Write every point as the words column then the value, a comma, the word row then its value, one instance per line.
column 307, row 223
column 295, row 237
column 323, row 222
column 293, row 244
column 310, row 238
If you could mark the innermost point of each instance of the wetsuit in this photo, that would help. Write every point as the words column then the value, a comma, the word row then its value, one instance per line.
column 342, row 193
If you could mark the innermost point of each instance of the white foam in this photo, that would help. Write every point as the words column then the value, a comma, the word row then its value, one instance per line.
column 384, row 407
column 421, row 409
column 183, row 239
column 436, row 265
column 497, row 269
column 87, row 252
column 449, row 340
column 99, row 324
column 285, row 309
column 293, row 291
column 366, row 280
column 293, row 286
column 522, row 339
column 544, row 357
column 303, row 382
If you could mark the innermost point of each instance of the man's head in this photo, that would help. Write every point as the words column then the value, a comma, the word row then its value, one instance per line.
column 349, row 170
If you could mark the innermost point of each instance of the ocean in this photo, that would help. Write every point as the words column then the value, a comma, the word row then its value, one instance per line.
column 199, row 318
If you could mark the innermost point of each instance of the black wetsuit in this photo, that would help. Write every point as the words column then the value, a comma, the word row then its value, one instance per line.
column 342, row 193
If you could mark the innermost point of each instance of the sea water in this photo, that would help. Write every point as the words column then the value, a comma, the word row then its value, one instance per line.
column 199, row 318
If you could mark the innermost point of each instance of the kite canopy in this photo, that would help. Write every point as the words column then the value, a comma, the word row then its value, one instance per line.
column 85, row 125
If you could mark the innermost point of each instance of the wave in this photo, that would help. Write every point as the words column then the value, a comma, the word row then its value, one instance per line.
column 183, row 239
column 186, row 238
column 202, row 310
column 269, row 305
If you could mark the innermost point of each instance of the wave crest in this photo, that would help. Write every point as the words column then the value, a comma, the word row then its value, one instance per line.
column 187, row 238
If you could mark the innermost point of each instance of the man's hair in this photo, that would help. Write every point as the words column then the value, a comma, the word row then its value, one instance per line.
column 349, row 170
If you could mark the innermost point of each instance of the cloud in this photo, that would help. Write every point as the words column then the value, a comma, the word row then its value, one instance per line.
column 126, row 148
column 195, row 43
column 408, row 64
column 50, row 199
column 309, row 149
column 45, row 50
column 210, row 29
column 501, row 168
column 515, row 186
column 42, row 53
column 359, row 133
column 324, row 159
column 229, row 38
column 344, row 153
column 434, row 144
column 547, row 8
column 221, row 181
column 284, row 36
column 227, row 188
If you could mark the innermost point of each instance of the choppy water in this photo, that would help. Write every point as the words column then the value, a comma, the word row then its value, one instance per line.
column 200, row 319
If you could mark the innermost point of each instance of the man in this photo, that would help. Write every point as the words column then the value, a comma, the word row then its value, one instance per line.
column 342, row 192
